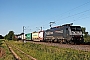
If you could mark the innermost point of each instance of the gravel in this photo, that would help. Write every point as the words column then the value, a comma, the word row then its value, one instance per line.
column 76, row 47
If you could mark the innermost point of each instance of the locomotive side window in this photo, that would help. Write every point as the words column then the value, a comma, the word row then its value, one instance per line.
column 49, row 33
column 66, row 28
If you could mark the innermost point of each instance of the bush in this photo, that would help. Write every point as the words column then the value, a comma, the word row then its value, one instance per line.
column 87, row 39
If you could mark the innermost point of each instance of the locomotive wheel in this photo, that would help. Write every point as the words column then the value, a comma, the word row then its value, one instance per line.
column 72, row 42
column 65, row 42
column 58, row 41
column 55, row 41
column 61, row 41
column 52, row 41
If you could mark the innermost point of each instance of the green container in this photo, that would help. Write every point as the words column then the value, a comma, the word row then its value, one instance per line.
column 29, row 36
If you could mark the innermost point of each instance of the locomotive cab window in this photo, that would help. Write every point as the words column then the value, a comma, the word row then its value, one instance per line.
column 75, row 28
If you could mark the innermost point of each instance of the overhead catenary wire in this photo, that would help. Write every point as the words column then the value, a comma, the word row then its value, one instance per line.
column 76, row 14
column 77, row 7
column 82, row 18
column 69, row 11
column 74, row 9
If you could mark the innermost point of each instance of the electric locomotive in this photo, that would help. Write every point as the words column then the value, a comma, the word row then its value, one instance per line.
column 64, row 34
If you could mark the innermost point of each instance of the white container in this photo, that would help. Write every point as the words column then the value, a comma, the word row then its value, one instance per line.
column 41, row 35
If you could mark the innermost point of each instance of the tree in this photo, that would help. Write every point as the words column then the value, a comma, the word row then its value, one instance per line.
column 10, row 36
column 1, row 37
column 5, row 37
column 84, row 32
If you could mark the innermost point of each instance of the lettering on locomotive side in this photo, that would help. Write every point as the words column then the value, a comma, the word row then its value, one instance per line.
column 49, row 33
column 59, row 31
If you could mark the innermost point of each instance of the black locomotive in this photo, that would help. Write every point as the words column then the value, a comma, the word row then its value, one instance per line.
column 64, row 34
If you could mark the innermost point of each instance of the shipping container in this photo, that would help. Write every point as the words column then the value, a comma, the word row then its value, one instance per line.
column 22, row 36
column 35, row 36
column 41, row 35
column 29, row 36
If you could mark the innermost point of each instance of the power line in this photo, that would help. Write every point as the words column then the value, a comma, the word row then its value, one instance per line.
column 82, row 18
column 76, row 14
column 74, row 9
column 78, row 6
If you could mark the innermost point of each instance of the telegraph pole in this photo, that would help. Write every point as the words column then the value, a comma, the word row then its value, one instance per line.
column 24, row 28
column 23, row 32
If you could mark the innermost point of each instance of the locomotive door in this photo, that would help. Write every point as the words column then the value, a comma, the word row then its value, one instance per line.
column 66, row 33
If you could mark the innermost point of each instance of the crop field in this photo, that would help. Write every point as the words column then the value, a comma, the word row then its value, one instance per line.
column 43, row 52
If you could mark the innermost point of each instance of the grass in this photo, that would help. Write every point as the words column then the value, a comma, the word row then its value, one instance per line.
column 21, row 55
column 8, row 55
column 43, row 52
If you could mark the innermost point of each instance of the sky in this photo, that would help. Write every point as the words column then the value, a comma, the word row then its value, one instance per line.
column 33, row 14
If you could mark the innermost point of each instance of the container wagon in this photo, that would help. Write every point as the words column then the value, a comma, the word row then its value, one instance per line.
column 41, row 35
column 29, row 36
column 35, row 36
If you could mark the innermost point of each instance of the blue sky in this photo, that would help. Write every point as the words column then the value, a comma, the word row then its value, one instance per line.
column 36, row 13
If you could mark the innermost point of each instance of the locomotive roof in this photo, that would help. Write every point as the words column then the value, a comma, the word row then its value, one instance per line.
column 56, row 27
column 75, row 26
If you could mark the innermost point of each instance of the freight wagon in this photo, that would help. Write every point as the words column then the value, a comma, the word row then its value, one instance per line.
column 29, row 36
column 63, row 34
column 35, row 36
column 41, row 35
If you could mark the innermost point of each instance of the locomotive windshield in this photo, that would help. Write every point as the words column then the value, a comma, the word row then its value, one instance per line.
column 75, row 28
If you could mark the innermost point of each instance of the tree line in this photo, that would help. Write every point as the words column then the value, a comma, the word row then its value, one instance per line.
column 1, row 37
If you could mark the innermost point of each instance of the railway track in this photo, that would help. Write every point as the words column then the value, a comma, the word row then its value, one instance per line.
column 17, row 52
column 76, row 47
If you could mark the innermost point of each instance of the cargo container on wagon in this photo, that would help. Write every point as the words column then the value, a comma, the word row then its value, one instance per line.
column 41, row 35
column 29, row 36
column 22, row 36
column 35, row 36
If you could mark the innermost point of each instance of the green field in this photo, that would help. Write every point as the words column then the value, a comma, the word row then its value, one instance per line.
column 8, row 55
column 43, row 52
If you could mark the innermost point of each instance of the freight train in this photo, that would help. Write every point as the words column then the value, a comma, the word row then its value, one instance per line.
column 62, row 34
